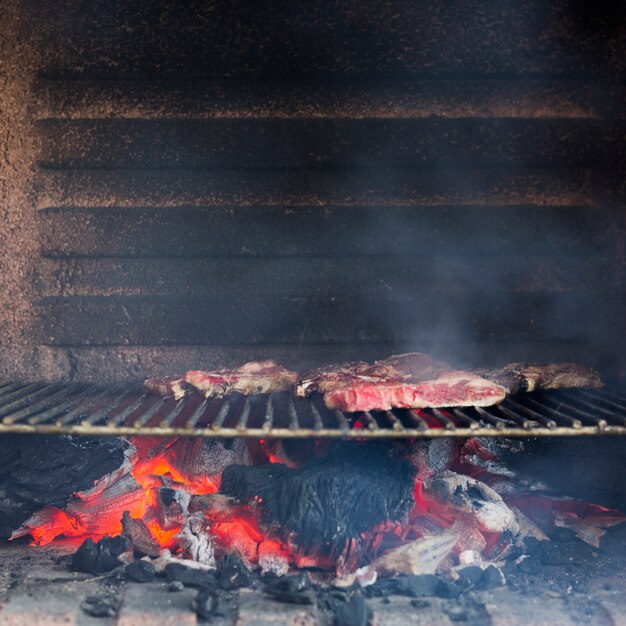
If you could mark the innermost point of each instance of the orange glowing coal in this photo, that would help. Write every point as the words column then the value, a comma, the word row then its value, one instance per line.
column 161, row 495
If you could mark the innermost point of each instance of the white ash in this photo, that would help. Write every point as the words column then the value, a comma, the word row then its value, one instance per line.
column 172, row 515
column 474, row 498
column 196, row 542
column 431, row 457
column 166, row 557
column 365, row 576
column 271, row 562
column 203, row 456
column 107, row 481
column 421, row 556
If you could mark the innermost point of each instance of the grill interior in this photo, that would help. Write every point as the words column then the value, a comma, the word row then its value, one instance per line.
column 124, row 409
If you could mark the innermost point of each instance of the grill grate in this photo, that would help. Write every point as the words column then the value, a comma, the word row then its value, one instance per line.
column 123, row 409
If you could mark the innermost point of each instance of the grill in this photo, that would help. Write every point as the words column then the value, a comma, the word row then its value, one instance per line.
column 124, row 409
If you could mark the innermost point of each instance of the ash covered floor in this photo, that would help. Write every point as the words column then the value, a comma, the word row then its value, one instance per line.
column 568, row 585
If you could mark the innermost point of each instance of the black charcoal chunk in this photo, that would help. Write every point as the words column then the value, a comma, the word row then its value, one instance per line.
column 233, row 573
column 493, row 577
column 189, row 576
column 424, row 585
column 419, row 586
column 553, row 554
column 531, row 565
column 447, row 589
column 208, row 604
column 350, row 611
column 97, row 558
column 45, row 471
column 614, row 542
column 293, row 589
column 470, row 576
column 562, row 535
column 175, row 585
column 329, row 501
column 140, row 571
column 98, row 607
column 534, row 546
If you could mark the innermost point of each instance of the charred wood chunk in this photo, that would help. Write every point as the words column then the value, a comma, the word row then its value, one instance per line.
column 233, row 573
column 44, row 471
column 97, row 558
column 139, row 537
column 292, row 589
column 329, row 501
column 189, row 576
column 140, row 571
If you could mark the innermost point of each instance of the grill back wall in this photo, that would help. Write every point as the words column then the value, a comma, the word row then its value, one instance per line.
column 191, row 186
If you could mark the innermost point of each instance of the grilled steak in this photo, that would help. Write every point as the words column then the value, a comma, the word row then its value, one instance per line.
column 449, row 388
column 250, row 378
column 167, row 387
column 411, row 380
column 410, row 366
column 522, row 377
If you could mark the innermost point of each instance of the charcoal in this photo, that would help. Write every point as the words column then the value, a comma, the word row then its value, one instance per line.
column 140, row 571
column 175, row 585
column 233, row 573
column 447, row 589
column 614, row 542
column 531, row 565
column 534, row 546
column 329, row 501
column 562, row 535
column 139, row 537
column 172, row 507
column 98, row 607
column 292, row 589
column 493, row 577
column 209, row 605
column 351, row 611
column 425, row 585
column 101, row 557
column 190, row 577
column 45, row 471
column 470, row 576
column 553, row 554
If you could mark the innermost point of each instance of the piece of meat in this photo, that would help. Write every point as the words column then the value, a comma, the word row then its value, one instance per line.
column 411, row 380
column 251, row 378
column 411, row 366
column 448, row 388
column 522, row 377
column 167, row 387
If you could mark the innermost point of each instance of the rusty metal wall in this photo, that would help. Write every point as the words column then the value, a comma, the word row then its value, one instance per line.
column 311, row 182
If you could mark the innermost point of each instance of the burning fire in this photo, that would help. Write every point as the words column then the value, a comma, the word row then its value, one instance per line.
column 174, row 500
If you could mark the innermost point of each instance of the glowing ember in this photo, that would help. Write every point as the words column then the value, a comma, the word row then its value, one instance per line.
column 171, row 491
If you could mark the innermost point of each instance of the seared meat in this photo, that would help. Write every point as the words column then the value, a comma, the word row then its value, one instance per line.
column 250, row 378
column 522, row 377
column 410, row 366
column 167, row 387
column 448, row 388
column 410, row 380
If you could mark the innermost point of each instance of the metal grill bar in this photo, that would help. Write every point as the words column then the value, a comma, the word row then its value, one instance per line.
column 124, row 410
